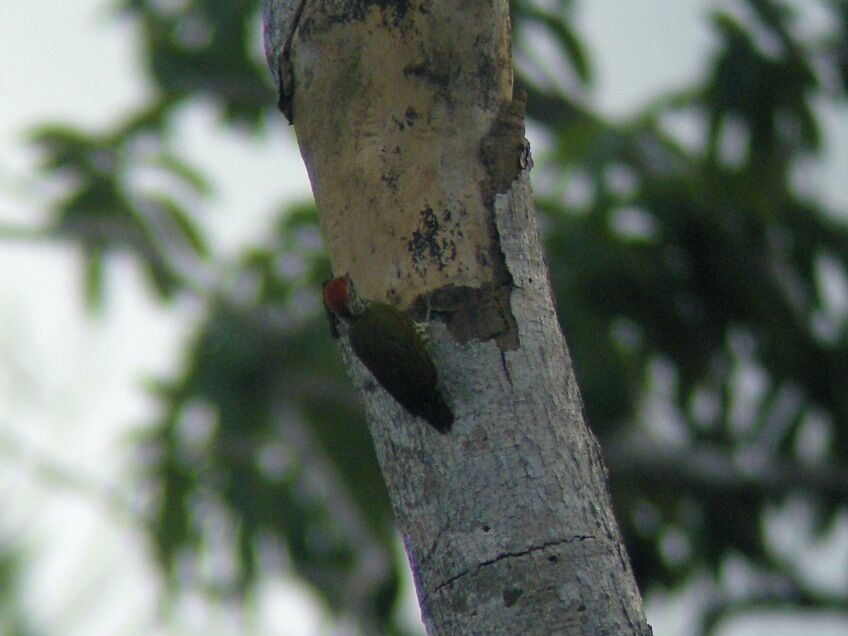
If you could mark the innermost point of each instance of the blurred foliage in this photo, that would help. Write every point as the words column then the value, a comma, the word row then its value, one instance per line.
column 107, row 208
column 14, row 620
column 689, row 267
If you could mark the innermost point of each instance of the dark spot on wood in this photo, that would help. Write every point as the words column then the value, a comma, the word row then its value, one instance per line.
column 390, row 178
column 553, row 559
column 428, row 72
column 486, row 528
column 431, row 242
column 511, row 595
column 411, row 116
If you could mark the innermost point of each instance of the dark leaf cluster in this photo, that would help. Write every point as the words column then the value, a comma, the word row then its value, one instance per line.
column 687, row 267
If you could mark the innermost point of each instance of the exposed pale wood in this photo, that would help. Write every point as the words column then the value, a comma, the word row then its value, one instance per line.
column 391, row 101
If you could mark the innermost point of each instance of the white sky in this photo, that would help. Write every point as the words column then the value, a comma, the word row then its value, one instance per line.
column 70, row 385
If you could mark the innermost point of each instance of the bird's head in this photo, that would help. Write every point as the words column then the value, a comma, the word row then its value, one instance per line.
column 341, row 299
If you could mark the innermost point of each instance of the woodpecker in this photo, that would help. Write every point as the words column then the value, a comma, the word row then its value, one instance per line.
column 393, row 349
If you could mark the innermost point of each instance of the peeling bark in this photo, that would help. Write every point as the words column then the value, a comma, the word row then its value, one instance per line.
column 415, row 148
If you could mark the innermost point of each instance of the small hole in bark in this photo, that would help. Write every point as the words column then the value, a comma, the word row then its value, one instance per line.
column 553, row 559
column 486, row 528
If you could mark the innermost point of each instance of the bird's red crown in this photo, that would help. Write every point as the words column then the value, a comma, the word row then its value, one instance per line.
column 337, row 296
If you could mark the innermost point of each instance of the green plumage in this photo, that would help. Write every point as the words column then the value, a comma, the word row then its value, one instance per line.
column 389, row 345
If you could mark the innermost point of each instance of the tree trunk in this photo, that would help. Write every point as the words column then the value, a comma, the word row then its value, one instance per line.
column 415, row 148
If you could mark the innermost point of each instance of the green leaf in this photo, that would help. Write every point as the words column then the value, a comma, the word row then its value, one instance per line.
column 186, row 173
column 567, row 39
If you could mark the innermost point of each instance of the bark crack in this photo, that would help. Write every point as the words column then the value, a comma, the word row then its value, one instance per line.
column 285, row 77
column 505, row 366
column 511, row 555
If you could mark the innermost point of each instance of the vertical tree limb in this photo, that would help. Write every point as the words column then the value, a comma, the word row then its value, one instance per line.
column 415, row 148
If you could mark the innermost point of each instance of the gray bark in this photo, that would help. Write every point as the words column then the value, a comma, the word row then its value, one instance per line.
column 406, row 121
